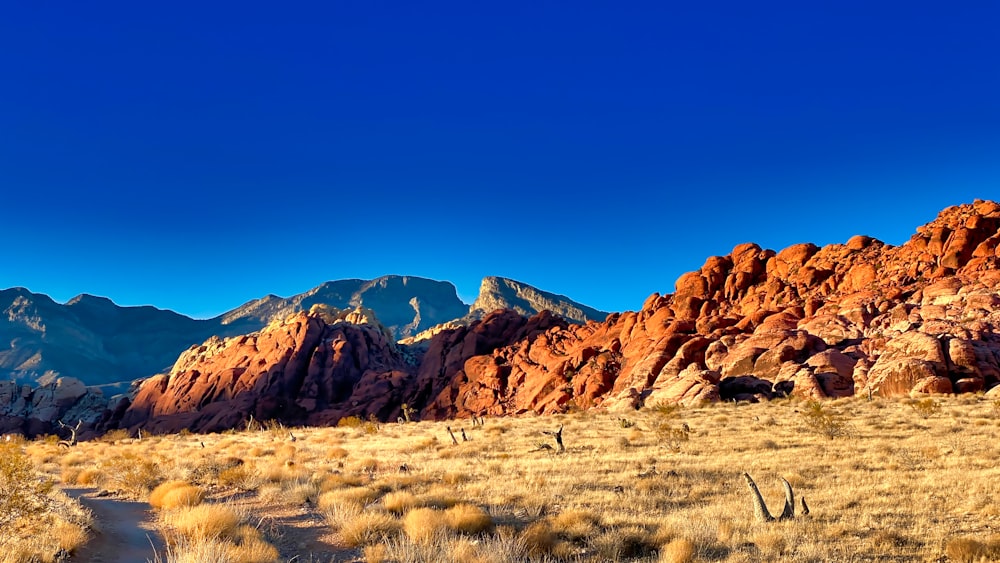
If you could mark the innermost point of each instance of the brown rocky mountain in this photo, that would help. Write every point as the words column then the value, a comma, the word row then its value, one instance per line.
column 859, row 317
column 77, row 356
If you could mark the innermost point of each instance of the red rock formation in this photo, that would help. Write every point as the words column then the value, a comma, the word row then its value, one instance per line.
column 817, row 322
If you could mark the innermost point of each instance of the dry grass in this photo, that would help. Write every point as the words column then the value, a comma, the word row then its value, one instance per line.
column 886, row 481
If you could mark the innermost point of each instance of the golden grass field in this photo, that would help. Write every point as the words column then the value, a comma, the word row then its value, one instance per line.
column 885, row 480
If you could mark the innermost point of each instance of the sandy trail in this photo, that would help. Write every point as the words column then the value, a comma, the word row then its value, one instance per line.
column 126, row 535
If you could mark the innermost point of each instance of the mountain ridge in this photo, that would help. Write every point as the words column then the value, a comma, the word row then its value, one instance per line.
column 93, row 339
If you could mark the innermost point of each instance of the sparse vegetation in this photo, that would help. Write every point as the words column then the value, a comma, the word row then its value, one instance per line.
column 675, row 492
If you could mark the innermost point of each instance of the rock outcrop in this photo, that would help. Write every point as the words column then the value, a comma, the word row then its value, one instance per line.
column 817, row 322
column 503, row 293
column 37, row 410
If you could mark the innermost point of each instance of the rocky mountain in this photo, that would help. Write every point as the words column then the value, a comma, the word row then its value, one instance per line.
column 98, row 342
column 503, row 293
column 89, row 338
column 406, row 305
column 859, row 317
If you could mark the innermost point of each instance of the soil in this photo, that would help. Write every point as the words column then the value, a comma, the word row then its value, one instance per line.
column 124, row 530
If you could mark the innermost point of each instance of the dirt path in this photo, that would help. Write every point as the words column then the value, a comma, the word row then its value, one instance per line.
column 126, row 533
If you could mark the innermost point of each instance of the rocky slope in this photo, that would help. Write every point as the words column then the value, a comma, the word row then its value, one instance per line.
column 89, row 338
column 98, row 342
column 859, row 317
column 503, row 293
column 406, row 305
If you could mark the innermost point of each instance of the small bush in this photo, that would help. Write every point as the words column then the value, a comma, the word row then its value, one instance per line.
column 188, row 495
column 422, row 524
column 205, row 521
column 400, row 502
column 467, row 519
column 157, row 494
column 822, row 421
column 680, row 550
column 350, row 422
column 22, row 493
column 925, row 408
column 367, row 528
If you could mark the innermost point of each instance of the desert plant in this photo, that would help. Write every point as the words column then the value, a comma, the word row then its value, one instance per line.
column 925, row 408
column 22, row 493
column 823, row 421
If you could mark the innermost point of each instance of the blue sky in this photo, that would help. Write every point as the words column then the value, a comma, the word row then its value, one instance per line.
column 194, row 156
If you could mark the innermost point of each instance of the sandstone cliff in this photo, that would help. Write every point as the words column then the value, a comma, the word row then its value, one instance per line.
column 858, row 317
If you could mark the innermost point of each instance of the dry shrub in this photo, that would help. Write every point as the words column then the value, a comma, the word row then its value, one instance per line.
column 340, row 481
column 455, row 478
column 400, row 502
column 157, row 494
column 376, row 553
column 467, row 519
column 182, row 497
column 575, row 524
column 239, row 476
column 336, row 452
column 629, row 542
column 205, row 521
column 70, row 474
column 88, row 477
column 22, row 493
column 358, row 496
column 250, row 547
column 971, row 550
column 130, row 474
column 422, row 524
column 539, row 538
column 680, row 550
column 367, row 528
column 69, row 535
column 286, row 451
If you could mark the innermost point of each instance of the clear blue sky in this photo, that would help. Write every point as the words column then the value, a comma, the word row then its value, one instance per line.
column 194, row 156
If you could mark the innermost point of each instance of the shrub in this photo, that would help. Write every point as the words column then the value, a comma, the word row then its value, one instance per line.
column 205, row 521
column 680, row 550
column 422, row 524
column 822, row 421
column 22, row 493
column 368, row 527
column 350, row 422
column 926, row 408
column 130, row 474
column 157, row 494
column 188, row 495
column 399, row 502
column 467, row 519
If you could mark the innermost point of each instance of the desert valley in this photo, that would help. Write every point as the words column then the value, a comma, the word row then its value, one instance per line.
column 854, row 387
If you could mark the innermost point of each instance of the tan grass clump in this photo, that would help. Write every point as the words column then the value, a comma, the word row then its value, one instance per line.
column 422, row 524
column 358, row 496
column 157, row 494
column 679, row 550
column 182, row 497
column 467, row 519
column 400, row 502
column 368, row 527
column 203, row 522
column 969, row 550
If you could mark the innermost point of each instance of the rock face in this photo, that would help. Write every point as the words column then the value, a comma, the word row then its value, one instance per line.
column 502, row 293
column 37, row 410
column 406, row 305
column 89, row 338
column 304, row 370
column 818, row 322
column 94, row 340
